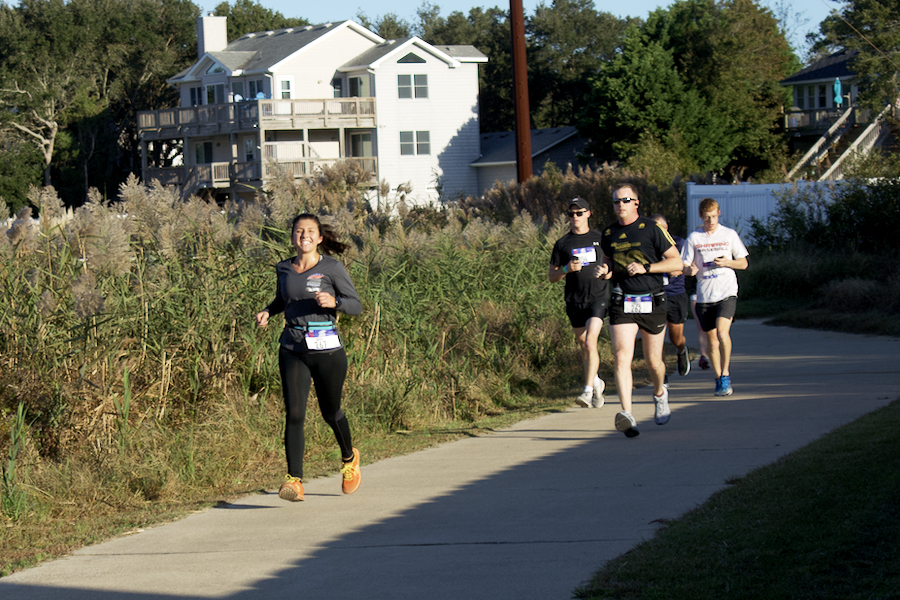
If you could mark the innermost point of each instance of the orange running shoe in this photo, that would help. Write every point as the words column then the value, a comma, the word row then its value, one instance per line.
column 291, row 489
column 352, row 474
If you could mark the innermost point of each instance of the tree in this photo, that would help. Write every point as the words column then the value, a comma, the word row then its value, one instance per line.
column 20, row 168
column 246, row 16
column 389, row 26
column 76, row 72
column 701, row 76
column 871, row 27
column 568, row 43
column 640, row 98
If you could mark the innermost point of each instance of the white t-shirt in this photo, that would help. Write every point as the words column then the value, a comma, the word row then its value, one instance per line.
column 714, row 284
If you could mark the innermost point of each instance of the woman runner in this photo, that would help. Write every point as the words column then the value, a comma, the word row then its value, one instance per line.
column 311, row 290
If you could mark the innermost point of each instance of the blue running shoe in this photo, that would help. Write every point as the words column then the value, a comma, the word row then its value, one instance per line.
column 726, row 386
column 718, row 386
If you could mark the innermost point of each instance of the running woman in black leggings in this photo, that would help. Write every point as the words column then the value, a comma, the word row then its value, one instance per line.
column 311, row 290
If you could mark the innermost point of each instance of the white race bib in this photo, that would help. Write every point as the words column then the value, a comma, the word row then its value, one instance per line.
column 585, row 256
column 323, row 339
column 638, row 304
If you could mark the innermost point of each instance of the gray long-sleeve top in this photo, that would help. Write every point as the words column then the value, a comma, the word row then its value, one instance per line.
column 295, row 296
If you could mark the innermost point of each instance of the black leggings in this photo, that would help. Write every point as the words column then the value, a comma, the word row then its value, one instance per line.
column 328, row 372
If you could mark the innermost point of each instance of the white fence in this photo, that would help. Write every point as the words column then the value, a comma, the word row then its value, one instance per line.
column 741, row 202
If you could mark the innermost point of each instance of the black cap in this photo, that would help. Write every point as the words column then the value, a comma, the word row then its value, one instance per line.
column 580, row 203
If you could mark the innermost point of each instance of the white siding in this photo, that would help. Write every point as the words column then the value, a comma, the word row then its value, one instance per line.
column 449, row 114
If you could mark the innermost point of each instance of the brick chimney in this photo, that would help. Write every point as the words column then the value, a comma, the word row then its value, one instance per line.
column 212, row 34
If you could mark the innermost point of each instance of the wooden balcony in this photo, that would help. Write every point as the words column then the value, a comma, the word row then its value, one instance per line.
column 223, row 175
column 819, row 120
column 212, row 119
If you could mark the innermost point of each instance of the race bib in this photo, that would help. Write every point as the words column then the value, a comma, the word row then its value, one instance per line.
column 585, row 256
column 638, row 304
column 323, row 339
column 322, row 335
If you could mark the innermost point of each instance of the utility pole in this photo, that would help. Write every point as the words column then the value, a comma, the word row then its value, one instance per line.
column 520, row 88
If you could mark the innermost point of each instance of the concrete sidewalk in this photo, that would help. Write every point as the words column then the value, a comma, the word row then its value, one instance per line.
column 529, row 512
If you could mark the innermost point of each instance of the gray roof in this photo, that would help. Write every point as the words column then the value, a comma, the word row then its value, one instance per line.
column 234, row 60
column 462, row 53
column 264, row 49
column 500, row 147
column 373, row 54
column 831, row 67
column 257, row 52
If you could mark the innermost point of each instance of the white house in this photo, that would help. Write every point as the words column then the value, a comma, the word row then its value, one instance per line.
column 297, row 99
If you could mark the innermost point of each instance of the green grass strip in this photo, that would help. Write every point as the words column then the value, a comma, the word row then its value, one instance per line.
column 821, row 523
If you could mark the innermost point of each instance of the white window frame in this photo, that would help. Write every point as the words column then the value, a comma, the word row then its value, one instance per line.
column 412, row 87
column 415, row 143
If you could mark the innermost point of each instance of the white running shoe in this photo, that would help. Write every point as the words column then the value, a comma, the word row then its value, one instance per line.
column 662, row 408
column 584, row 400
column 626, row 424
column 599, row 386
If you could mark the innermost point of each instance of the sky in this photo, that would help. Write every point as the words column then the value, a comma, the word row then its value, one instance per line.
column 812, row 11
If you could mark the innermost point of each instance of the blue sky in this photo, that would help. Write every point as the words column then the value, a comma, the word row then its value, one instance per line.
column 339, row 10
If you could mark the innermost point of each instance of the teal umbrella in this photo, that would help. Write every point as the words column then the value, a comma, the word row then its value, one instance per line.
column 838, row 99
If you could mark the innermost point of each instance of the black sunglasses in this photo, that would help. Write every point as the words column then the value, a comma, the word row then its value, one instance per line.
column 576, row 213
column 625, row 200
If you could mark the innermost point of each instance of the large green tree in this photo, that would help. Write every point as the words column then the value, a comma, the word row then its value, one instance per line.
column 568, row 42
column 700, row 78
column 74, row 73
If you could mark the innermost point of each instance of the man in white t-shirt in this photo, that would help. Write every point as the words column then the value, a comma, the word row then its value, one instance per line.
column 712, row 253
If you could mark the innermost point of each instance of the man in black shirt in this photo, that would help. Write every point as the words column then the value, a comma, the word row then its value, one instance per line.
column 638, row 252
column 577, row 259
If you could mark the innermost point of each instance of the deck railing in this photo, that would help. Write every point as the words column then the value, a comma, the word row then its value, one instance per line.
column 255, row 114
column 225, row 175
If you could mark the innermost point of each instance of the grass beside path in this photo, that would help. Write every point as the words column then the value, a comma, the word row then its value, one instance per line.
column 821, row 523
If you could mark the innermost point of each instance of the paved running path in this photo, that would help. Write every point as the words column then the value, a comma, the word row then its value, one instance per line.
column 528, row 512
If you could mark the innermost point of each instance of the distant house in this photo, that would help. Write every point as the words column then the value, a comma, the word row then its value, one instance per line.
column 559, row 145
column 825, row 121
column 295, row 100
column 812, row 90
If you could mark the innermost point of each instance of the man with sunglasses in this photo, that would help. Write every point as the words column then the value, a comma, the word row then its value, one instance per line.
column 576, row 258
column 638, row 252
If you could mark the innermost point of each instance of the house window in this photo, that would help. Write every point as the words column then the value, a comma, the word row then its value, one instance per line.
column 337, row 86
column 196, row 96
column 249, row 150
column 415, row 142
column 800, row 102
column 237, row 90
column 360, row 144
column 412, row 86
column 256, row 88
column 285, row 89
column 359, row 87
column 411, row 58
column 203, row 152
column 823, row 97
column 215, row 94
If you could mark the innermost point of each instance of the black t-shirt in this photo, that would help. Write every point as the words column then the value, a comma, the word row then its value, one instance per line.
column 582, row 287
column 643, row 241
